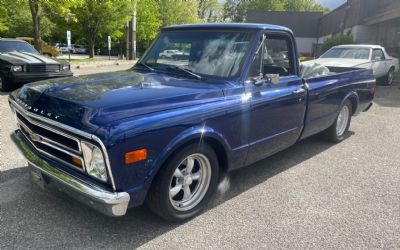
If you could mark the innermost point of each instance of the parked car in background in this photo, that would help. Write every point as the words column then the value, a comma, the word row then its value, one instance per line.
column 165, row 131
column 80, row 49
column 372, row 57
column 64, row 48
column 21, row 63
column 170, row 53
column 45, row 48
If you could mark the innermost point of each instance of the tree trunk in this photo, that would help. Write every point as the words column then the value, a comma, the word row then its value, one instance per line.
column 91, row 48
column 34, row 6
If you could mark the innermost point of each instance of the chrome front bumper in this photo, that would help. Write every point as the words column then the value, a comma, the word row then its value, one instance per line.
column 106, row 202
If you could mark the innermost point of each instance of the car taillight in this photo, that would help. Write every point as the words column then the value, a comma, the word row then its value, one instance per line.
column 371, row 90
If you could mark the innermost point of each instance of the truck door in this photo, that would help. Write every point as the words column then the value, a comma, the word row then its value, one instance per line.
column 278, row 97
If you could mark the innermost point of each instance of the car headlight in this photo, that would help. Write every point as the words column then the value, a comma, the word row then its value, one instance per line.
column 94, row 161
column 65, row 67
column 16, row 68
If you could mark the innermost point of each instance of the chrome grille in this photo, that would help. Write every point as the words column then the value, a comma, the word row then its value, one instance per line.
column 51, row 142
column 58, row 149
column 43, row 68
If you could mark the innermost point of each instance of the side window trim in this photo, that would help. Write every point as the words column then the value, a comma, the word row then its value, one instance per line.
column 291, row 52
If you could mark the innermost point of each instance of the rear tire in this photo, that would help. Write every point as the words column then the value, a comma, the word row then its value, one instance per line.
column 185, row 184
column 4, row 85
column 388, row 79
column 339, row 129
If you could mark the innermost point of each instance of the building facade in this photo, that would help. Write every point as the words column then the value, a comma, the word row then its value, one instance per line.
column 368, row 21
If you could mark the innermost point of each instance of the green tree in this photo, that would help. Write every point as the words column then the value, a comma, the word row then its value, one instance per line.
column 178, row 12
column 94, row 19
column 335, row 41
column 236, row 10
column 38, row 14
column 148, row 22
column 303, row 5
column 209, row 10
column 3, row 16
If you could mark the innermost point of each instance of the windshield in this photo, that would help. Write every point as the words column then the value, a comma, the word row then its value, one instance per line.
column 16, row 46
column 209, row 53
column 348, row 53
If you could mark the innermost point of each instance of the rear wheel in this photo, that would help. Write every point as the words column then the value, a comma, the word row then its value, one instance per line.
column 185, row 183
column 389, row 77
column 337, row 132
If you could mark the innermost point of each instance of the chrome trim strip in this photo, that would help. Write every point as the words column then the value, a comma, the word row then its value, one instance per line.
column 73, row 131
column 104, row 201
column 57, row 146
column 55, row 157
column 54, row 131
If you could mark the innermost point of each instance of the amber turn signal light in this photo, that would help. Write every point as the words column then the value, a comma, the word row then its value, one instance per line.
column 77, row 162
column 135, row 156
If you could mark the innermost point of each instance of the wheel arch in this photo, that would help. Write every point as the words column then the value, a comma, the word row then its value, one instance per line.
column 194, row 135
column 354, row 100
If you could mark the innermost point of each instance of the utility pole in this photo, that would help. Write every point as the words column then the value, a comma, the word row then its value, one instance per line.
column 131, row 36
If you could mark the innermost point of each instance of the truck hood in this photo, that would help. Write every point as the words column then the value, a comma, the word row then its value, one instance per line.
column 342, row 62
column 92, row 101
column 18, row 58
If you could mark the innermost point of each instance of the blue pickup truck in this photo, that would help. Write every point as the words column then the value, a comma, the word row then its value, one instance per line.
column 164, row 132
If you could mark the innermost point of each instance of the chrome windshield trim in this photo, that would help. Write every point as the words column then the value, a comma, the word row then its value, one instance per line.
column 71, row 130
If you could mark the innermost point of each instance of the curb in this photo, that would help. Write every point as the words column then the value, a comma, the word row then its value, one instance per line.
column 96, row 64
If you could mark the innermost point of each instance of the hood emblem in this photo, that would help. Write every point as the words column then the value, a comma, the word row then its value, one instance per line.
column 37, row 111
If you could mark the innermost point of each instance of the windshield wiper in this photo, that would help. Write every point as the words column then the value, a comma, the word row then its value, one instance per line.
column 145, row 65
column 188, row 72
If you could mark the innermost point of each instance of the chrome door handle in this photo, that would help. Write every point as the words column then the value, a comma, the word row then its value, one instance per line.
column 299, row 91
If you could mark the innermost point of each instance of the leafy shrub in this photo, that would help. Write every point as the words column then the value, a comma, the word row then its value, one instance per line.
column 335, row 41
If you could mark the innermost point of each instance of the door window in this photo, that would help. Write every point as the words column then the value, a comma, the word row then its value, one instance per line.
column 377, row 54
column 277, row 57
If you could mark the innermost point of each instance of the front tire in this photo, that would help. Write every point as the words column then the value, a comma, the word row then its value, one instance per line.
column 338, row 130
column 185, row 184
column 4, row 85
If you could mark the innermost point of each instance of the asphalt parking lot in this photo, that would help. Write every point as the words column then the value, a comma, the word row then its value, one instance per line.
column 314, row 195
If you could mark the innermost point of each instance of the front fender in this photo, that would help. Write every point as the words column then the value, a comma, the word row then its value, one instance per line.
column 197, row 133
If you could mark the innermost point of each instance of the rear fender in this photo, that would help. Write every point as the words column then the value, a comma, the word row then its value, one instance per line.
column 354, row 99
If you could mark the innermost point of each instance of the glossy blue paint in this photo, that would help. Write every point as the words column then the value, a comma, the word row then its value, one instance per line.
column 161, row 111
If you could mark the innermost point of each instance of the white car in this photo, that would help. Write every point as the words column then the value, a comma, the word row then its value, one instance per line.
column 372, row 57
column 170, row 53
column 80, row 49
column 64, row 48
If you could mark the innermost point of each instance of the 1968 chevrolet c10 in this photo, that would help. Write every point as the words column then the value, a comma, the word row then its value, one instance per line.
column 165, row 131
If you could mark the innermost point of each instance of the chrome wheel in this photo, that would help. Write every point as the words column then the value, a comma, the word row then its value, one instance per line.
column 342, row 120
column 190, row 182
column 390, row 77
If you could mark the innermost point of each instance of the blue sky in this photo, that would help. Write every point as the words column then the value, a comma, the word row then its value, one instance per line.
column 332, row 4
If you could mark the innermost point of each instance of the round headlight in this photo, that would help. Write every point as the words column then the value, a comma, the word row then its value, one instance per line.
column 65, row 67
column 94, row 161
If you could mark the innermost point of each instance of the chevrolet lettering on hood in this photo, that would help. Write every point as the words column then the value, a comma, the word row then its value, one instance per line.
column 36, row 110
